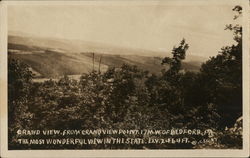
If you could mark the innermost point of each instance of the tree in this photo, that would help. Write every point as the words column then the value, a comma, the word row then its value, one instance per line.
column 179, row 54
column 222, row 77
column 19, row 82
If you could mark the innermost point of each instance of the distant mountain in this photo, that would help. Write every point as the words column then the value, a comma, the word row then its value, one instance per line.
column 76, row 46
column 51, row 58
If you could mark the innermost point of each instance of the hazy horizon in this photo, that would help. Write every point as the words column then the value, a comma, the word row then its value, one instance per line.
column 155, row 28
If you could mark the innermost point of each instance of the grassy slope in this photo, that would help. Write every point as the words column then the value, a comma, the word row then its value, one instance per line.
column 54, row 64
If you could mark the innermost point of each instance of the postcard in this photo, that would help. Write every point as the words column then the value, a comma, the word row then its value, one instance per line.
column 139, row 78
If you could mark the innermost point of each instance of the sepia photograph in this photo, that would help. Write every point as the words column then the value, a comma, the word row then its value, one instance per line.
column 125, row 75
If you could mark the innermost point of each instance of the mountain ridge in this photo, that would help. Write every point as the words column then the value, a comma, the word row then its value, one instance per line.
column 53, row 58
column 88, row 46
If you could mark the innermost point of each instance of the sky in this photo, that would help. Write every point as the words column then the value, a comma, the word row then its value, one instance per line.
column 149, row 27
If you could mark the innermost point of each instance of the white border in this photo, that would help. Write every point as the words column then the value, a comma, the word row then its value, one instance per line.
column 123, row 153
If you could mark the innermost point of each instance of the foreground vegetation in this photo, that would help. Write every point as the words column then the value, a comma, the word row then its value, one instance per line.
column 131, row 98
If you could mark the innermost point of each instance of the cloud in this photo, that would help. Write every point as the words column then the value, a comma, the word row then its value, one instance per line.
column 138, row 26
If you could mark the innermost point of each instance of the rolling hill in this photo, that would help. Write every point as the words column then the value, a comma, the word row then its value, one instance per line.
column 51, row 58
